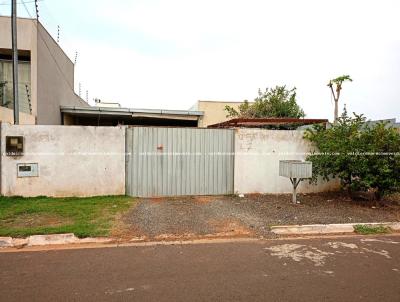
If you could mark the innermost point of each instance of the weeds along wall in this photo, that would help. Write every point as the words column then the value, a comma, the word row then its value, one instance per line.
column 70, row 161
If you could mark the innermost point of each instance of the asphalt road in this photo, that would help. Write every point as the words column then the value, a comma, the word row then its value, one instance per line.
column 330, row 269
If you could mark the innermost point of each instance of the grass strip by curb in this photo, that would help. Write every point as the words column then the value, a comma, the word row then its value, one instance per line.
column 364, row 229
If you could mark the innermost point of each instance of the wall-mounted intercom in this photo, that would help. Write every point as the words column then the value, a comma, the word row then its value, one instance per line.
column 28, row 170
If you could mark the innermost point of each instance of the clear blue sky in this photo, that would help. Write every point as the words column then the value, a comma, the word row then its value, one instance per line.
column 168, row 54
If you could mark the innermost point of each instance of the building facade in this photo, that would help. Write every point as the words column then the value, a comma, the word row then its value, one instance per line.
column 213, row 111
column 45, row 75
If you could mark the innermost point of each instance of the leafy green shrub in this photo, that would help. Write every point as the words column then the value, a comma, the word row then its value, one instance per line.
column 273, row 102
column 365, row 158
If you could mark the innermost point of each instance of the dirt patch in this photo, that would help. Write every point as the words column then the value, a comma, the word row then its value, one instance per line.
column 393, row 198
column 36, row 220
column 203, row 199
column 230, row 227
column 323, row 208
column 124, row 231
column 230, row 216
column 157, row 199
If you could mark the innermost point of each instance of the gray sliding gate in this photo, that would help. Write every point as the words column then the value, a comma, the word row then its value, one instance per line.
column 179, row 161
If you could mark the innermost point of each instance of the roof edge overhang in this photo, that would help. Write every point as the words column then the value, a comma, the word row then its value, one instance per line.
column 130, row 111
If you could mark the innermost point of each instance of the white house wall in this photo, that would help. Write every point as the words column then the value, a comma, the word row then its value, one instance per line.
column 73, row 161
column 90, row 161
column 258, row 152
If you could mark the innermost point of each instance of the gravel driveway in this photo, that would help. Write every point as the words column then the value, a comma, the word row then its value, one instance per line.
column 231, row 216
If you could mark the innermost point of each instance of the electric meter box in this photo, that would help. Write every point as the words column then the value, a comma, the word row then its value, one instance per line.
column 14, row 145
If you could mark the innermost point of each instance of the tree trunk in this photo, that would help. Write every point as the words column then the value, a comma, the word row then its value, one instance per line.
column 336, row 111
column 338, row 88
column 378, row 194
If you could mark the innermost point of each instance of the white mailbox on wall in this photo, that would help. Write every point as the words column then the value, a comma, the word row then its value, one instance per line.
column 296, row 171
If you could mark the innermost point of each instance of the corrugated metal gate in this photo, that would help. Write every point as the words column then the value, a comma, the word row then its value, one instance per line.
column 179, row 161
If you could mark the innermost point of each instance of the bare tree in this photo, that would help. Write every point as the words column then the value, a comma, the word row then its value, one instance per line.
column 337, row 82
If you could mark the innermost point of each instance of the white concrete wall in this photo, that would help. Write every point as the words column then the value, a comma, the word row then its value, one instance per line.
column 73, row 161
column 257, row 158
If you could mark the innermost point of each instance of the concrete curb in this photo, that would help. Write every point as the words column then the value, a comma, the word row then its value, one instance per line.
column 52, row 239
column 320, row 229
column 56, row 239
column 114, row 244
column 70, row 238
column 6, row 242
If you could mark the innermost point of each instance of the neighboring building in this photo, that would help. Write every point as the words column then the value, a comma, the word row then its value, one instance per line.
column 46, row 89
column 389, row 123
column 214, row 111
column 45, row 73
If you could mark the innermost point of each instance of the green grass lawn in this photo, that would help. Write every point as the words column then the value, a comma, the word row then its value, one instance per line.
column 85, row 217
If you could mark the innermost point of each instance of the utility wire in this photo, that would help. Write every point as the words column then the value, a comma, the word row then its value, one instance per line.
column 26, row 8
column 26, row 2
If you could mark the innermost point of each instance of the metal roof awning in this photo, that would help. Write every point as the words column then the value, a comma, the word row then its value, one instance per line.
column 127, row 111
column 130, row 116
